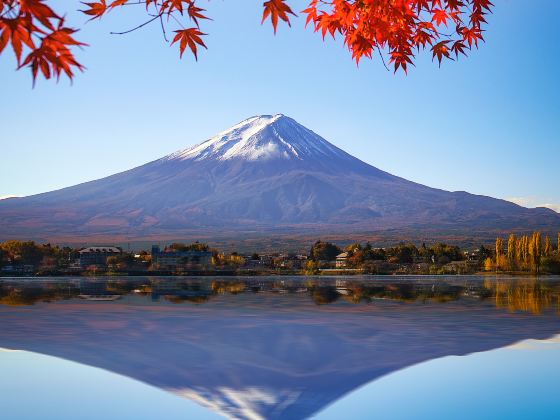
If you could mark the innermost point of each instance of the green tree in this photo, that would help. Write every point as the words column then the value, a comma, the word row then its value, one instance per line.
column 195, row 246
column 484, row 253
column 28, row 252
column 374, row 254
column 403, row 254
column 443, row 251
column 324, row 251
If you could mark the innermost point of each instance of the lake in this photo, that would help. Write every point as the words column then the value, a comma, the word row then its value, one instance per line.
column 360, row 347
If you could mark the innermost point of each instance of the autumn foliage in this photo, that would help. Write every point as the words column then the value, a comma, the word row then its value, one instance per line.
column 396, row 29
column 525, row 253
column 33, row 26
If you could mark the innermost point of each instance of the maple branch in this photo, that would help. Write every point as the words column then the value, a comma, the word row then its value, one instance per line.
column 383, row 59
column 8, row 10
column 163, row 29
column 138, row 27
column 176, row 20
column 397, row 27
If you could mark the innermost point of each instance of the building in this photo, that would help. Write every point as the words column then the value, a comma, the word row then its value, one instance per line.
column 472, row 255
column 457, row 267
column 341, row 260
column 292, row 262
column 170, row 259
column 97, row 255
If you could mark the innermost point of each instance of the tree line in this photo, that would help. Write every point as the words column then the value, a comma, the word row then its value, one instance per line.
column 526, row 253
column 532, row 253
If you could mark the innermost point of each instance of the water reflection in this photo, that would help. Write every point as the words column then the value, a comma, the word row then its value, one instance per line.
column 271, row 347
column 527, row 294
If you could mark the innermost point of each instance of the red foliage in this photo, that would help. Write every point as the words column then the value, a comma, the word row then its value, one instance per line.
column 399, row 27
column 395, row 28
column 190, row 37
column 33, row 26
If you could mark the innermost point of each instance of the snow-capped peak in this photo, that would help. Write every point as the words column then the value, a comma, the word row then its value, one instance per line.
column 261, row 137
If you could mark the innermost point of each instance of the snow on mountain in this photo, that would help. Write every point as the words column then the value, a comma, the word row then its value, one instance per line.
column 262, row 138
column 267, row 173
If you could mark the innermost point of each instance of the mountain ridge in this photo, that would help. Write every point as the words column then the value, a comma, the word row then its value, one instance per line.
column 266, row 173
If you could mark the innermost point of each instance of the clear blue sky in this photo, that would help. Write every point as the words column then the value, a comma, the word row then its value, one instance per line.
column 489, row 124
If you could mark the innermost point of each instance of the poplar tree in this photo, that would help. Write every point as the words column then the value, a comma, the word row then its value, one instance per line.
column 531, row 248
column 535, row 250
column 524, row 251
column 500, row 257
column 547, row 247
column 519, row 251
column 499, row 248
column 511, row 250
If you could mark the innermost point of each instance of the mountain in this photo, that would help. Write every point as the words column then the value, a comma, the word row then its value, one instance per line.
column 265, row 174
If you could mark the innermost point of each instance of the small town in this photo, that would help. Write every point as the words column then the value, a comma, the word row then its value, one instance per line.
column 523, row 254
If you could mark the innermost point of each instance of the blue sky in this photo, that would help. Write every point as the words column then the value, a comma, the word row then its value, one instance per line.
column 489, row 124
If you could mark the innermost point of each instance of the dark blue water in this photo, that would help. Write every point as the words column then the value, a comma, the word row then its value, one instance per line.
column 357, row 347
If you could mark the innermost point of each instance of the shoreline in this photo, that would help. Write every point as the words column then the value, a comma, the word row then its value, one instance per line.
column 269, row 274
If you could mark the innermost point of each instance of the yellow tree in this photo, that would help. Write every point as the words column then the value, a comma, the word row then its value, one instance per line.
column 518, row 252
column 547, row 247
column 511, row 250
column 532, row 251
column 488, row 264
column 499, row 247
column 526, row 249
column 535, row 250
column 500, row 255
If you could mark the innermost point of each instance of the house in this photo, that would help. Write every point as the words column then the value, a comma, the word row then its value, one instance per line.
column 290, row 261
column 170, row 259
column 456, row 267
column 263, row 262
column 472, row 255
column 341, row 260
column 97, row 255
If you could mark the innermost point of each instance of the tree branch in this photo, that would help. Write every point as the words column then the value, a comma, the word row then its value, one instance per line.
column 138, row 27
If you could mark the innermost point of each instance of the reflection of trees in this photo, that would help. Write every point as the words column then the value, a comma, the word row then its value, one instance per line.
column 323, row 295
column 223, row 286
column 405, row 292
column 527, row 295
column 31, row 294
column 120, row 286
column 198, row 299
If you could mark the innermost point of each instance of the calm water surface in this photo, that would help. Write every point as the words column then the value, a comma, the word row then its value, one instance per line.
column 279, row 347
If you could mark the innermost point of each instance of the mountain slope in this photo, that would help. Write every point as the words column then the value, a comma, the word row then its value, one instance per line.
column 265, row 173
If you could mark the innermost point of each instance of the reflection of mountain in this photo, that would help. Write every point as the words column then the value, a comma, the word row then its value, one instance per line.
column 263, row 356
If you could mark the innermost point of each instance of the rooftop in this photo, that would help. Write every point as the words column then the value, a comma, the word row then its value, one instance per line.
column 110, row 249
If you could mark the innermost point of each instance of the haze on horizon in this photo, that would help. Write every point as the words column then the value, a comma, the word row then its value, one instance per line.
column 488, row 124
